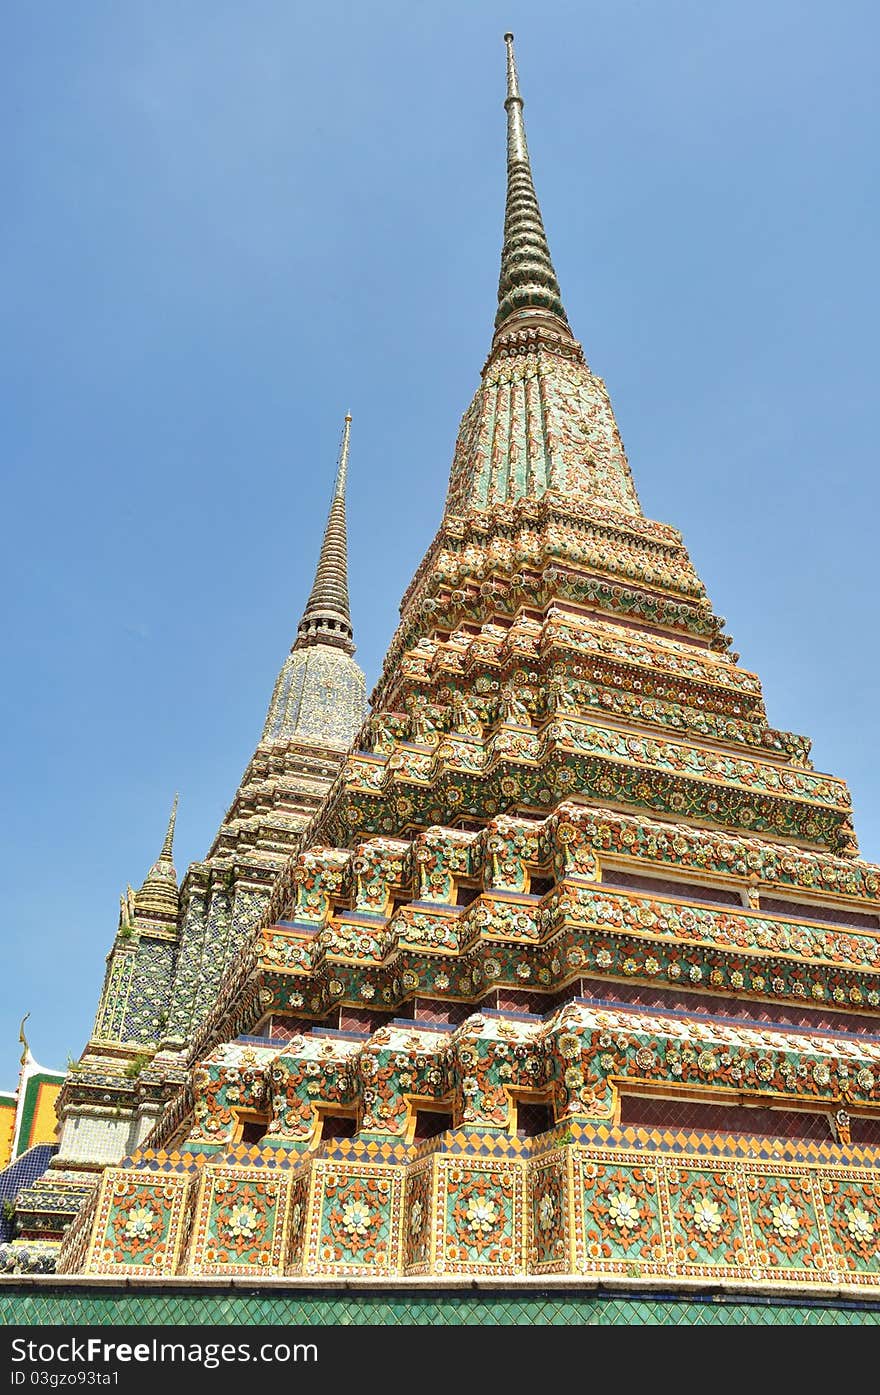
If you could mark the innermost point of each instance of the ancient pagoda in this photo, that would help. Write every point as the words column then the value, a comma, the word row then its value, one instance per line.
column 574, row 969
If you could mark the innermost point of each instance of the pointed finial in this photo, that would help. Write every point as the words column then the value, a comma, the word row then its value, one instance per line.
column 158, row 894
column 24, row 1041
column 168, row 846
column 516, row 131
column 342, row 465
column 528, row 290
column 327, row 616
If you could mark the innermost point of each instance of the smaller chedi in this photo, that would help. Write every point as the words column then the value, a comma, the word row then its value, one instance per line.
column 173, row 944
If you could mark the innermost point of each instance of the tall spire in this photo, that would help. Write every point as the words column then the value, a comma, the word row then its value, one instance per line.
column 319, row 694
column 540, row 422
column 327, row 616
column 528, row 290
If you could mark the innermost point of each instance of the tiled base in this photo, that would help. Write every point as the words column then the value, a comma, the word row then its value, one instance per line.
column 151, row 1306
column 570, row 1207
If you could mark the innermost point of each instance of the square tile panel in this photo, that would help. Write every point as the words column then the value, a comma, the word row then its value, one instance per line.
column 140, row 1222
column 240, row 1221
column 354, row 1218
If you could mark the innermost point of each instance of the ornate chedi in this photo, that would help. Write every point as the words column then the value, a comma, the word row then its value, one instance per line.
column 576, row 969
column 317, row 707
column 172, row 946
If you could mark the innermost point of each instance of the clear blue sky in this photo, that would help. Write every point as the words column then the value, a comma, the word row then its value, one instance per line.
column 226, row 224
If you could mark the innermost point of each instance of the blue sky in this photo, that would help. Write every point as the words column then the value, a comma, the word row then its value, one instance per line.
column 224, row 225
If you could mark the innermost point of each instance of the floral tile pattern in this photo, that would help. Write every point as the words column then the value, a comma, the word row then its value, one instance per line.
column 706, row 1220
column 480, row 1209
column 852, row 1207
column 785, row 1226
column 239, row 1222
column 564, row 1206
column 620, row 1229
column 418, row 1219
column 139, row 1224
column 297, row 1222
column 549, row 1191
column 355, row 1220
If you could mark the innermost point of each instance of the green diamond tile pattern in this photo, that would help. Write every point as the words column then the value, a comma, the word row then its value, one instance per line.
column 78, row 1307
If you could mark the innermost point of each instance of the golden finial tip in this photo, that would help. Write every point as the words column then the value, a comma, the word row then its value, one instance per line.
column 508, row 38
column 348, row 416
column 168, row 844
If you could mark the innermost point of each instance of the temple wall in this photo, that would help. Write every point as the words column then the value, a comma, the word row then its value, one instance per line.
column 146, row 1013
column 91, row 1136
column 186, row 968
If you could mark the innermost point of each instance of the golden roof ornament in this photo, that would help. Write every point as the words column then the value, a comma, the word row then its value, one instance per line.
column 23, row 1060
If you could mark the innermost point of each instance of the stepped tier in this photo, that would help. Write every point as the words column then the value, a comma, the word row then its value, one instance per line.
column 632, row 1204
column 457, row 1168
column 455, row 916
column 279, row 792
column 533, row 768
column 520, row 711
column 556, row 549
column 580, row 1060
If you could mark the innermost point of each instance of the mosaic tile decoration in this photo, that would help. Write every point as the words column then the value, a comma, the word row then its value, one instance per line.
column 565, row 1209
column 240, row 1220
column 354, row 1223
column 550, row 1231
column 479, row 1216
column 20, row 1173
column 140, row 1224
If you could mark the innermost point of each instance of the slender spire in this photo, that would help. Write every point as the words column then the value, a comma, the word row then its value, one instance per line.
column 327, row 616
column 528, row 290
column 168, row 846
